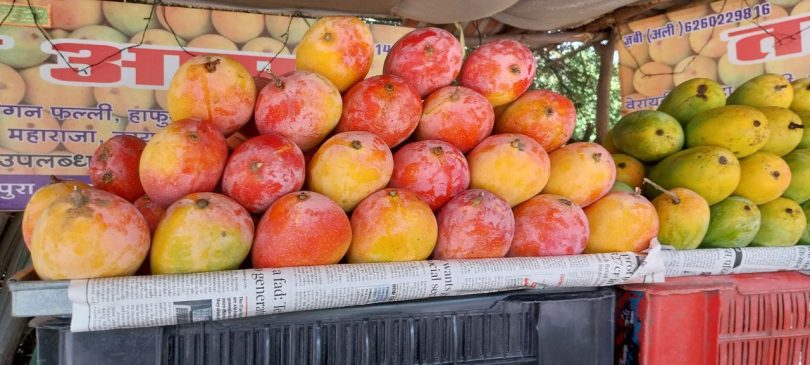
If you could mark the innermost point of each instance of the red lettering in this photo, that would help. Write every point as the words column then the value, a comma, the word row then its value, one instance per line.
column 753, row 43
column 98, row 67
column 149, row 66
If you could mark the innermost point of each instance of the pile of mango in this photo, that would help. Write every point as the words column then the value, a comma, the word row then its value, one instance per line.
column 723, row 172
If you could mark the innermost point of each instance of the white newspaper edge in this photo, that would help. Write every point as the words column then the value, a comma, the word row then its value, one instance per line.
column 146, row 301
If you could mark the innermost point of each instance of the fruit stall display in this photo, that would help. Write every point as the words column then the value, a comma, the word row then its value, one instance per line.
column 323, row 165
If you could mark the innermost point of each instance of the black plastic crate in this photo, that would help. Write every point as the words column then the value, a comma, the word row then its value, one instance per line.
column 562, row 327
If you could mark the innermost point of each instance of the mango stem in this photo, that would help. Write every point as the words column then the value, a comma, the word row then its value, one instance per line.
column 675, row 198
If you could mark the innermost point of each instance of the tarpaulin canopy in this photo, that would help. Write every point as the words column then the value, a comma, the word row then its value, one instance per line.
column 531, row 15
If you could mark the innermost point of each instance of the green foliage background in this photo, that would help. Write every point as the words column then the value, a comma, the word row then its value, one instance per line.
column 576, row 76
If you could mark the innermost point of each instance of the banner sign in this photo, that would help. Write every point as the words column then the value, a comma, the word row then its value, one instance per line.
column 728, row 41
column 92, row 73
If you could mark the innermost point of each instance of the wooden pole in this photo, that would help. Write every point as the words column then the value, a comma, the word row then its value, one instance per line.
column 606, row 54
column 541, row 39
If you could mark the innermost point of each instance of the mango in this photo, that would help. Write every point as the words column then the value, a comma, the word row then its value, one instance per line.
column 495, row 161
column 187, row 23
column 434, row 170
column 301, row 229
column 385, row 105
column 392, row 225
column 26, row 51
column 99, row 33
column 41, row 199
column 734, row 223
column 349, row 167
column 339, row 48
column 239, row 27
column 683, row 218
column 741, row 129
column 187, row 156
column 474, row 224
column 805, row 142
column 805, row 240
column 608, row 144
column 129, row 18
column 691, row 98
column 670, row 50
column 693, row 67
column 12, row 86
column 582, row 172
column 629, row 170
column 302, row 106
column 620, row 186
column 648, row 135
column 457, row 115
column 763, row 177
column 212, row 41
column 735, row 75
column 202, row 232
column 799, row 188
column 763, row 90
column 783, row 224
column 621, row 222
column 786, row 128
column 97, row 235
column 214, row 88
column 713, row 172
column 549, row 225
column 544, row 115
column 429, row 58
column 652, row 79
column 801, row 94
column 501, row 70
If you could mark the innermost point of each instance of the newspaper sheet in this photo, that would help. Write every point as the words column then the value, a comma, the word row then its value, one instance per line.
column 736, row 260
column 101, row 304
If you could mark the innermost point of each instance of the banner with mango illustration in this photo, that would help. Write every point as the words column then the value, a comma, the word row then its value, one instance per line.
column 75, row 73
column 727, row 41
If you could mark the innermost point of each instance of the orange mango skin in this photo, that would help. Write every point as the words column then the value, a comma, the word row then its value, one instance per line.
column 41, row 199
column 339, row 48
column 629, row 170
column 392, row 225
column 512, row 166
column 187, row 156
column 349, row 167
column 89, row 233
column 301, row 229
column 621, row 222
column 582, row 172
column 202, row 237
column 544, row 115
column 213, row 88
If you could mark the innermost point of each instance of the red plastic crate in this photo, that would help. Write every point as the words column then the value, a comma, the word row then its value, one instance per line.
column 724, row 320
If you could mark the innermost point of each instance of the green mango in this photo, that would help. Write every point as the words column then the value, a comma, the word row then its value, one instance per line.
column 799, row 163
column 691, row 98
column 733, row 223
column 741, row 129
column 786, row 128
column 763, row 90
column 648, row 135
column 783, row 224
column 713, row 172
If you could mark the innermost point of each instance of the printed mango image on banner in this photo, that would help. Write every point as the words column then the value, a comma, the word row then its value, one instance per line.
column 728, row 41
column 105, row 72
